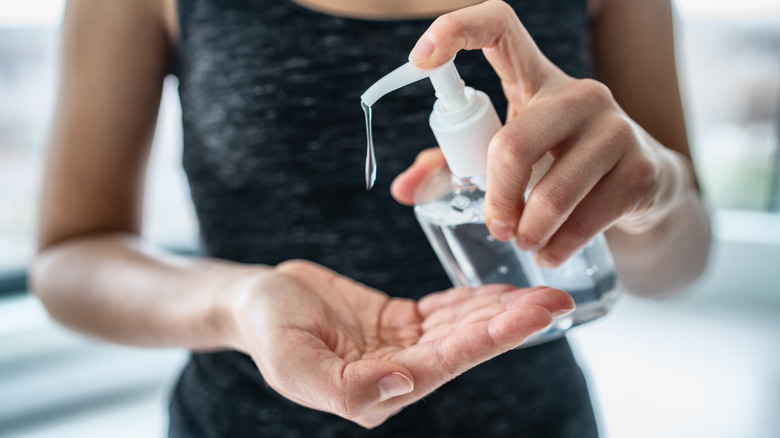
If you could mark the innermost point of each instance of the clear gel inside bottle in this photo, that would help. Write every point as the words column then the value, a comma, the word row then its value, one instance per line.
column 451, row 212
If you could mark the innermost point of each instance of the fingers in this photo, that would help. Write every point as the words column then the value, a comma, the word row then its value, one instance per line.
column 472, row 344
column 435, row 301
column 494, row 27
column 605, row 204
column 556, row 301
column 458, row 308
column 564, row 187
column 516, row 148
column 405, row 185
column 631, row 182
column 495, row 331
column 500, row 319
column 560, row 123
column 601, row 170
column 489, row 329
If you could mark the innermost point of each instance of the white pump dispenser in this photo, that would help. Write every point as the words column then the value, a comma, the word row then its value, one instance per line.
column 450, row 205
column 463, row 120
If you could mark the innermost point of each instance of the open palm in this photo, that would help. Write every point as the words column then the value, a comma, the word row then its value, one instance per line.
column 332, row 344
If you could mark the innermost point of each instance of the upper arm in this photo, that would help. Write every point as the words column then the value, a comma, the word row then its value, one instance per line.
column 633, row 48
column 115, row 57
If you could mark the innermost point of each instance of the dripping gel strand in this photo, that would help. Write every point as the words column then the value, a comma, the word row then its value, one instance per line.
column 370, row 157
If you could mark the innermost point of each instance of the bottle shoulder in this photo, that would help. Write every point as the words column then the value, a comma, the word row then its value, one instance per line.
column 447, row 200
column 443, row 185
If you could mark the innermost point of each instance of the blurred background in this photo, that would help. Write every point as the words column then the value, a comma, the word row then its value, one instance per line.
column 704, row 364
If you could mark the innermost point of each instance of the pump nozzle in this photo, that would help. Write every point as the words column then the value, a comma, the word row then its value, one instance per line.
column 445, row 79
column 463, row 120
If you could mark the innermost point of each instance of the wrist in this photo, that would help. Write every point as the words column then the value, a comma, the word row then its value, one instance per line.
column 234, row 292
column 674, row 181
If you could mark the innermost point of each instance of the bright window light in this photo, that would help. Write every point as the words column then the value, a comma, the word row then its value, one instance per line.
column 30, row 12
column 729, row 8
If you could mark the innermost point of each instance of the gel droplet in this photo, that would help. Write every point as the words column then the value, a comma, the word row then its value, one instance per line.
column 370, row 157
column 502, row 269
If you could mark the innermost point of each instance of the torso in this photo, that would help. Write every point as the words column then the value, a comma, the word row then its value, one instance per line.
column 274, row 149
column 274, row 134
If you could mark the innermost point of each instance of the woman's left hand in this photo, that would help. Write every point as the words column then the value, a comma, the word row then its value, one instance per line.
column 329, row 343
column 605, row 169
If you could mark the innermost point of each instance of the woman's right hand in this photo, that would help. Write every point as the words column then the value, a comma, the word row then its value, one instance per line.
column 604, row 170
column 332, row 344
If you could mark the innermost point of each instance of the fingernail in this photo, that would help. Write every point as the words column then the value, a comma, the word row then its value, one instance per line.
column 500, row 230
column 394, row 385
column 563, row 312
column 422, row 50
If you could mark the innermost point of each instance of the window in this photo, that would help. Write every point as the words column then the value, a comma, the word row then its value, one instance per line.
column 730, row 73
column 56, row 379
column 29, row 64
column 27, row 86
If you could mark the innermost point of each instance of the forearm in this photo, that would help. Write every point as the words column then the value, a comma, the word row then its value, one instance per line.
column 634, row 45
column 115, row 287
column 664, row 259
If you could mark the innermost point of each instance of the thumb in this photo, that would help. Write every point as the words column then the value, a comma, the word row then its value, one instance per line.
column 315, row 377
column 494, row 27
column 370, row 381
column 405, row 184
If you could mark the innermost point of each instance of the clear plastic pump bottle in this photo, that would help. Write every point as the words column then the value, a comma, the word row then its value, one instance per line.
column 450, row 206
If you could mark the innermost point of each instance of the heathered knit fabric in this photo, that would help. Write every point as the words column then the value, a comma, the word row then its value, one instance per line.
column 274, row 149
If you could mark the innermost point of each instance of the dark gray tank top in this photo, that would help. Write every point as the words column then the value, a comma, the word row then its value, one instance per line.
column 274, row 149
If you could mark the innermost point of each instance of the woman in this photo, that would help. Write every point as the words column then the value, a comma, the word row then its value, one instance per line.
column 271, row 150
